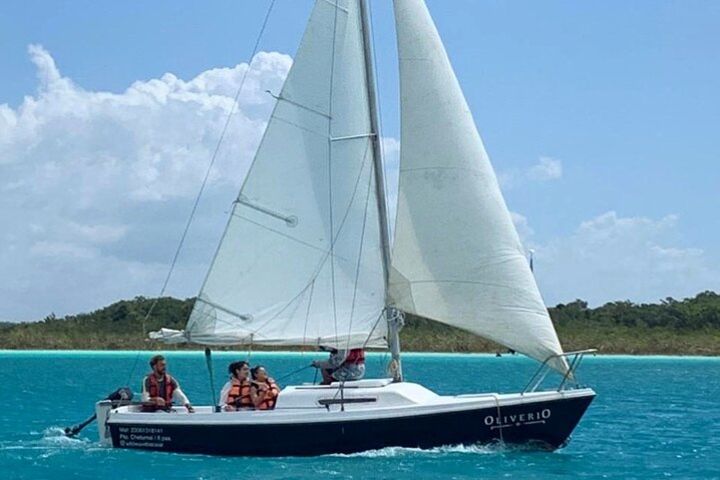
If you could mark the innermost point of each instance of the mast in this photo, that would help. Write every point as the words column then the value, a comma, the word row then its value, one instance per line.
column 392, row 316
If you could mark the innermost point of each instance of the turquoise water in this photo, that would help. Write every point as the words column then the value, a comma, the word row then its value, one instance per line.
column 655, row 417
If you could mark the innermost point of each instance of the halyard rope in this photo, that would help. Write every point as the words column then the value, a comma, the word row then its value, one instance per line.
column 330, row 190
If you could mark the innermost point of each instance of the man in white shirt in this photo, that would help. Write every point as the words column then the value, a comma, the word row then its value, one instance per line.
column 160, row 390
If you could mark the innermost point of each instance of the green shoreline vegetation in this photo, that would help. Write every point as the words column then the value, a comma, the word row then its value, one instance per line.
column 675, row 327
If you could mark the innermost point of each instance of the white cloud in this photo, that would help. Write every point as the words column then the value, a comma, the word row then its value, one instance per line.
column 95, row 186
column 522, row 226
column 612, row 258
column 98, row 233
column 545, row 170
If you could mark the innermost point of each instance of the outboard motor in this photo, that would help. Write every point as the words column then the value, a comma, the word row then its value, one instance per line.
column 121, row 396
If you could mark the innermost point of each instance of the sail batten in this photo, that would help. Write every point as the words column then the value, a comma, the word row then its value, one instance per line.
column 456, row 258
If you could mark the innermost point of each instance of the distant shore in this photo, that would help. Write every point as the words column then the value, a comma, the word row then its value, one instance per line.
column 673, row 327
column 423, row 340
column 290, row 353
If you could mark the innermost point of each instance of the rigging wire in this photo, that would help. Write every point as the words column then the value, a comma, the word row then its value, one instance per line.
column 330, row 191
column 307, row 312
column 231, row 113
column 360, row 252
column 250, row 347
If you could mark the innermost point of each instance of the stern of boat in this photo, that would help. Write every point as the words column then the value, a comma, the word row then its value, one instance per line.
column 102, row 411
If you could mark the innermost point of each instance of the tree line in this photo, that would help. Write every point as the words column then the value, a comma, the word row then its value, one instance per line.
column 690, row 325
column 697, row 313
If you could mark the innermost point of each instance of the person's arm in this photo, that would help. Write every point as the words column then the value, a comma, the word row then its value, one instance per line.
column 224, row 393
column 147, row 399
column 180, row 397
column 337, row 359
column 257, row 395
column 273, row 389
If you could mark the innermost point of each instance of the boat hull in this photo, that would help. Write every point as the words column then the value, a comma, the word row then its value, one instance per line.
column 546, row 424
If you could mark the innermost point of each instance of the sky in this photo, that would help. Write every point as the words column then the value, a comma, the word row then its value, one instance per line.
column 602, row 120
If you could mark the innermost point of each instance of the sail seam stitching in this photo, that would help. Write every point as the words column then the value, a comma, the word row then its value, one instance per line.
column 290, row 302
column 300, row 127
column 290, row 237
column 336, row 6
column 460, row 281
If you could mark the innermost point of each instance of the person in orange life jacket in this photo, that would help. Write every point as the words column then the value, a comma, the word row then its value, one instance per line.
column 235, row 395
column 264, row 390
column 160, row 389
column 343, row 365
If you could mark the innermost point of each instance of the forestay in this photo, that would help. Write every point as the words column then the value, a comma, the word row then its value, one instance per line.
column 456, row 256
column 300, row 260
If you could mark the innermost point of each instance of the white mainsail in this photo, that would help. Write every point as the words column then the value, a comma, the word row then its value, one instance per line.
column 456, row 258
column 300, row 262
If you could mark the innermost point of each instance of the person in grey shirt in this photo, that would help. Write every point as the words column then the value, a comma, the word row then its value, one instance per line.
column 342, row 365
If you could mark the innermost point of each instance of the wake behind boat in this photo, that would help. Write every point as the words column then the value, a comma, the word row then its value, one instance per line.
column 305, row 260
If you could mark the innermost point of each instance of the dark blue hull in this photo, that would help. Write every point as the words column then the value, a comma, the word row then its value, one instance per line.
column 545, row 424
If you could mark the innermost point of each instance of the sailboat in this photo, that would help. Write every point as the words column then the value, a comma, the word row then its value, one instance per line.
column 306, row 261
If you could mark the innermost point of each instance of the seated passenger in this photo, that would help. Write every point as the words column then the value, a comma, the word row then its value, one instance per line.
column 159, row 389
column 235, row 395
column 343, row 365
column 264, row 390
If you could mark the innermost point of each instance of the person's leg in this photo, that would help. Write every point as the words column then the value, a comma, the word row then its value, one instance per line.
column 327, row 376
column 341, row 375
column 348, row 374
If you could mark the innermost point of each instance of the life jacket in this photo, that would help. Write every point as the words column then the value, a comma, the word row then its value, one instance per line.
column 356, row 356
column 270, row 399
column 154, row 391
column 239, row 395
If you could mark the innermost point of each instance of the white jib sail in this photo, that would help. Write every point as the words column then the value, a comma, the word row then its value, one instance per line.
column 456, row 257
column 300, row 261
